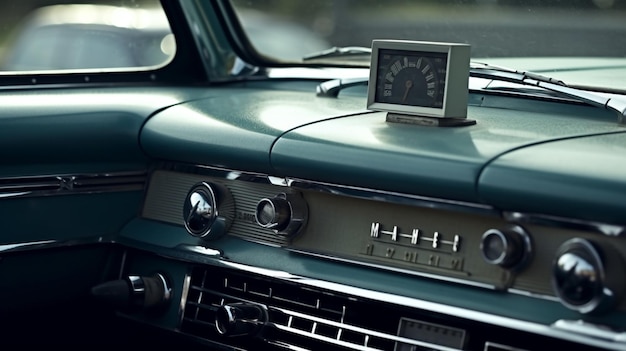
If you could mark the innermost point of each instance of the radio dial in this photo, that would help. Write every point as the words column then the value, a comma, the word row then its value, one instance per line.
column 285, row 214
column 508, row 248
column 581, row 278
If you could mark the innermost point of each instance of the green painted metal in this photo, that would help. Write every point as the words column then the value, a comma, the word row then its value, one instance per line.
column 367, row 151
column 66, row 218
column 581, row 178
column 61, row 131
column 235, row 128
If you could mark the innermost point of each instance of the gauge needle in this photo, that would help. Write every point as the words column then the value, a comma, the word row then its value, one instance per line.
column 408, row 85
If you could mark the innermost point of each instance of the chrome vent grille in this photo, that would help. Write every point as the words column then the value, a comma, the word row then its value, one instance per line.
column 71, row 184
column 305, row 318
column 299, row 317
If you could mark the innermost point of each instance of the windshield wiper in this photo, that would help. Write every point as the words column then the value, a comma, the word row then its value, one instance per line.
column 497, row 73
column 336, row 51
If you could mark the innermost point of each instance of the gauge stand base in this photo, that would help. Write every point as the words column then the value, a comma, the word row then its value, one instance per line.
column 429, row 121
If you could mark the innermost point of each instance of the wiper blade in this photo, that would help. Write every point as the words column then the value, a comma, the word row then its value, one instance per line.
column 336, row 51
column 483, row 70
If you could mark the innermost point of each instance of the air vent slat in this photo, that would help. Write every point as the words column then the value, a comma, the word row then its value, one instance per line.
column 299, row 317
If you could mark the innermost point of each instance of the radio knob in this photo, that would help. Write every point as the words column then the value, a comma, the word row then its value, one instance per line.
column 208, row 210
column 240, row 318
column 509, row 248
column 285, row 214
column 580, row 277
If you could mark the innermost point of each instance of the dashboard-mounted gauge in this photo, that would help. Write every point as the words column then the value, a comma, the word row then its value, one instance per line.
column 420, row 82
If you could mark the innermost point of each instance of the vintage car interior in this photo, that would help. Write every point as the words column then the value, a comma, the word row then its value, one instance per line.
column 379, row 191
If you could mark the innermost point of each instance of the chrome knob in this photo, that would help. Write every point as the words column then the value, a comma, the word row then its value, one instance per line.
column 135, row 292
column 509, row 248
column 580, row 278
column 285, row 214
column 240, row 318
column 208, row 210
column 273, row 213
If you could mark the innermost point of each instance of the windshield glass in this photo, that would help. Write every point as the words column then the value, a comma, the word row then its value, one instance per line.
column 537, row 35
column 52, row 35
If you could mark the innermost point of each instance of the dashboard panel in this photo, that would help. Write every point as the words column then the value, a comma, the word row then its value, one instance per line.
column 214, row 204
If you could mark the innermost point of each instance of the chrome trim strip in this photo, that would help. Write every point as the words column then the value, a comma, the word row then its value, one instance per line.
column 27, row 245
column 183, row 298
column 533, row 295
column 51, row 244
column 567, row 223
column 62, row 184
column 593, row 330
column 501, row 347
column 395, row 269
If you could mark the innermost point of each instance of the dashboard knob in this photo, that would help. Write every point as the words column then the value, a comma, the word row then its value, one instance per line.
column 208, row 210
column 285, row 214
column 509, row 248
column 580, row 278
column 135, row 292
column 241, row 318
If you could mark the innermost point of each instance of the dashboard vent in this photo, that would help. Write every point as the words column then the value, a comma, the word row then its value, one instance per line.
column 304, row 318
column 300, row 317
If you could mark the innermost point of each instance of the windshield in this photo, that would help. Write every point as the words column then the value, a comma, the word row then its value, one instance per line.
column 538, row 35
column 53, row 35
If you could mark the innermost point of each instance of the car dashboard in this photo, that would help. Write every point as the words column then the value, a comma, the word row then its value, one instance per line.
column 253, row 212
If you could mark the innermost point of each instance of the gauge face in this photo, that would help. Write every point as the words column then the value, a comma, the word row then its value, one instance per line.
column 419, row 79
column 411, row 78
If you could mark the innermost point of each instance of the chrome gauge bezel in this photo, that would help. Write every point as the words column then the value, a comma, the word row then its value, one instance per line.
column 455, row 76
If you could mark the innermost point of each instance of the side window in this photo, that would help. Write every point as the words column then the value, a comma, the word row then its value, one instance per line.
column 47, row 35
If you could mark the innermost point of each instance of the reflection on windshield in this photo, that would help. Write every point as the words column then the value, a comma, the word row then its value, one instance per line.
column 69, row 37
column 494, row 28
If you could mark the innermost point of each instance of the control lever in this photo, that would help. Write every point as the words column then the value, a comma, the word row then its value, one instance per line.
column 134, row 292
column 240, row 318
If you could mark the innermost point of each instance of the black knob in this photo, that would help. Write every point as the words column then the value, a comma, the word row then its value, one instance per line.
column 134, row 292
column 285, row 214
column 273, row 213
column 240, row 318
column 580, row 277
column 208, row 210
column 508, row 248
